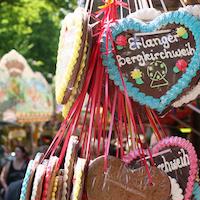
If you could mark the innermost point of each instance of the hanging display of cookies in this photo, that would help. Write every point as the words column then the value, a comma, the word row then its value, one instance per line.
column 124, row 69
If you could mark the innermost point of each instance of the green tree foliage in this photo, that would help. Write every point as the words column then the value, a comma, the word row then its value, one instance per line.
column 32, row 28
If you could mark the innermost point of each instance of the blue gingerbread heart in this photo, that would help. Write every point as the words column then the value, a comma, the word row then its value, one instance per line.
column 149, row 54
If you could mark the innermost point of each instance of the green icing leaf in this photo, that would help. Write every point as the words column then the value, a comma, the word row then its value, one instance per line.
column 139, row 81
column 185, row 36
column 176, row 70
column 119, row 47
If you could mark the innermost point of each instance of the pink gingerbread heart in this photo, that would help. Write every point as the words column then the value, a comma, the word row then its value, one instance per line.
column 176, row 156
column 190, row 158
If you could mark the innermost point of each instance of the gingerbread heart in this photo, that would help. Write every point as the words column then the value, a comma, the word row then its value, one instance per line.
column 122, row 183
column 185, row 157
column 176, row 157
column 158, row 60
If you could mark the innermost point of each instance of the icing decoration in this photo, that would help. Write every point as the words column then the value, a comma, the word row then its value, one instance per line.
column 192, row 94
column 146, row 14
column 121, row 42
column 157, row 72
column 70, row 158
column 60, row 186
column 193, row 9
column 26, row 180
column 176, row 191
column 38, row 182
column 79, row 177
column 190, row 158
column 55, row 188
column 182, row 32
column 69, row 52
column 38, row 157
column 121, row 183
column 137, row 75
column 181, row 66
column 142, row 38
column 196, row 191
column 30, row 179
column 78, row 85
column 49, row 178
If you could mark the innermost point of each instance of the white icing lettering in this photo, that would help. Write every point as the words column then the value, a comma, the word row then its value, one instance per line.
column 136, row 43
column 177, row 163
column 185, row 158
column 164, row 41
column 120, row 60
column 147, row 57
column 162, row 55
column 132, row 44
column 128, row 60
column 167, row 165
column 191, row 50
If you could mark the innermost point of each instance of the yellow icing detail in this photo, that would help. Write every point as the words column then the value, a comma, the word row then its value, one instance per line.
column 76, row 192
column 136, row 73
column 55, row 188
column 79, row 181
column 181, row 31
column 68, row 156
column 61, row 85
column 78, row 174
column 71, row 100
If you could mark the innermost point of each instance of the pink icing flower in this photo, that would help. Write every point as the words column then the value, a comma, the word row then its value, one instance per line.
column 181, row 65
column 121, row 40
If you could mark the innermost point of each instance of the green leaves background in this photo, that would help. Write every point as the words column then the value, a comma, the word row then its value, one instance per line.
column 32, row 28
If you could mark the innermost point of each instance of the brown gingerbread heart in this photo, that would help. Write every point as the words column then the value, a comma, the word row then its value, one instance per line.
column 176, row 157
column 152, row 65
column 121, row 183
column 174, row 161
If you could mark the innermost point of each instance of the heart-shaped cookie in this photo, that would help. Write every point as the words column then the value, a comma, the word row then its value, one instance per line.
column 182, row 165
column 120, row 182
column 176, row 157
column 158, row 60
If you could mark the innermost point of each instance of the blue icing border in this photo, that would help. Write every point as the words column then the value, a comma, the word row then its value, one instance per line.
column 25, row 181
column 196, row 191
column 178, row 17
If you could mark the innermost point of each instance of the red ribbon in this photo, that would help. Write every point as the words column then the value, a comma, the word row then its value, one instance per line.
column 110, row 39
column 110, row 131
